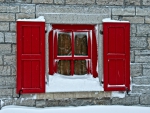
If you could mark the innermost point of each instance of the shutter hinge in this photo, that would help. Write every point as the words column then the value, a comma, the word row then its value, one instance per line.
column 20, row 91
column 127, row 90
column 102, row 82
column 101, row 32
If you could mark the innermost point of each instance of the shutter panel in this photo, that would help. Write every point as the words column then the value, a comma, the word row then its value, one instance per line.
column 116, row 56
column 31, row 57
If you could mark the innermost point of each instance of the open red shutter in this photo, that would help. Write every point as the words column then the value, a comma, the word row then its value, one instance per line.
column 30, row 57
column 116, row 56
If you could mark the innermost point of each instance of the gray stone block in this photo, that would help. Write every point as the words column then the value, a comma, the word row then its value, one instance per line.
column 51, row 103
column 73, row 18
column 138, row 42
column 13, row 26
column 10, row 81
column 141, row 80
column 25, row 102
column 123, row 11
column 145, row 99
column 146, row 2
column 147, row 19
column 13, row 70
column 103, row 101
column 1, row 60
column 2, row 81
column 4, row 26
column 146, row 69
column 128, row 100
column 80, row 1
column 1, row 37
column 5, row 70
column 25, row 16
column 8, row 101
column 73, row 9
column 109, row 2
column 132, row 29
column 5, row 48
column 142, row 11
column 140, row 89
column 19, row 1
column 143, row 29
column 29, row 8
column 131, row 56
column 40, row 103
column 142, row 59
column 1, row 0
column 7, row 17
column 132, row 2
column 10, row 60
column 0, row 104
column 134, row 19
column 43, row 1
column 13, row 8
column 148, row 40
column 3, row 8
column 135, row 69
column 131, row 100
column 5, row 92
column 10, row 37
column 14, row 49
column 59, row 1
column 142, row 52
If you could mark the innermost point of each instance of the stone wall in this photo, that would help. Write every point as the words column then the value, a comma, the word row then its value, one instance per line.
column 76, row 11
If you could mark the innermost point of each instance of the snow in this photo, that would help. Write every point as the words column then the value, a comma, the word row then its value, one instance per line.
column 39, row 19
column 117, row 94
column 2, row 102
column 81, row 109
column 76, row 83
column 109, row 20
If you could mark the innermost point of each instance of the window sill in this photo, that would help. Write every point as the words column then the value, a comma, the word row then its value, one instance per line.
column 76, row 83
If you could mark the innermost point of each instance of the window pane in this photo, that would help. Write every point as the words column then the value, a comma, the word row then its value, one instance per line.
column 80, row 67
column 64, row 44
column 64, row 67
column 81, row 47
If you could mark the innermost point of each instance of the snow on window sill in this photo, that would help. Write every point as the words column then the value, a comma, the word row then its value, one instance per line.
column 76, row 83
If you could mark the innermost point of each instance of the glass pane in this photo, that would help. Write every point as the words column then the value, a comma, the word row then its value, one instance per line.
column 80, row 67
column 64, row 44
column 81, row 47
column 64, row 67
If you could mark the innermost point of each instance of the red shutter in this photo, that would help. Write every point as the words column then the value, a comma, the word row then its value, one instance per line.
column 30, row 57
column 116, row 56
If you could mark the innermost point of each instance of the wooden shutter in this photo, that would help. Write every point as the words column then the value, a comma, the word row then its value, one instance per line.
column 31, row 57
column 116, row 56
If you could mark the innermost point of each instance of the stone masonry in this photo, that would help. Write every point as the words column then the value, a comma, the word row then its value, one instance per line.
column 76, row 11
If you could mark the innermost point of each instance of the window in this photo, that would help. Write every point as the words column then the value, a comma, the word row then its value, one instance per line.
column 73, row 50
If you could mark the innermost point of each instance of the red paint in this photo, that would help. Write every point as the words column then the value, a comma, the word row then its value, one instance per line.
column 31, row 57
column 92, row 46
column 116, row 56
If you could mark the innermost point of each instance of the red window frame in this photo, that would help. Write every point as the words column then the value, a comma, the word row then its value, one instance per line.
column 92, row 47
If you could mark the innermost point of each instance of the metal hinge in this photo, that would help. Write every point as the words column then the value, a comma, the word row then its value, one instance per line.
column 127, row 90
column 101, row 32
column 20, row 91
column 102, row 82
